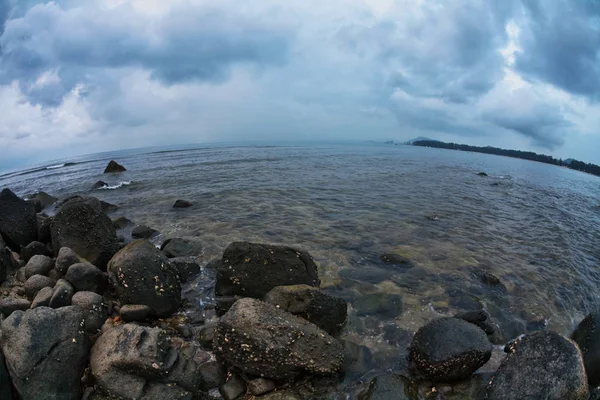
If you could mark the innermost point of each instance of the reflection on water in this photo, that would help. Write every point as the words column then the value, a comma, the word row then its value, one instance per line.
column 534, row 226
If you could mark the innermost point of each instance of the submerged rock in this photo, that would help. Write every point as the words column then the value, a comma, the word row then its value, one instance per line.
column 327, row 312
column 449, row 349
column 587, row 337
column 262, row 340
column 141, row 274
column 182, row 247
column 543, row 365
column 187, row 267
column 397, row 261
column 113, row 167
column 384, row 387
column 46, row 352
column 182, row 204
column 122, row 222
column 18, row 221
column 143, row 232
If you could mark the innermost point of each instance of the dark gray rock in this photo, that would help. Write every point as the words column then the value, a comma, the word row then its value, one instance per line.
column 43, row 228
column 94, row 309
column 233, row 388
column 542, row 365
column 595, row 394
column 482, row 319
column 384, row 387
column 38, row 265
column 187, row 267
column 81, row 225
column 66, row 257
column 35, row 283
column 18, row 221
column 252, row 270
column 42, row 298
column 46, row 352
column 62, row 294
column 87, row 278
column 33, row 249
column 327, row 312
column 260, row 386
column 206, row 335
column 143, row 232
column 135, row 312
column 482, row 174
column 114, row 167
column 143, row 275
column 42, row 200
column 262, row 340
column 108, row 207
column 182, row 247
column 358, row 359
column 449, row 349
column 182, row 204
column 6, row 388
column 8, row 305
column 99, row 185
column 122, row 222
column 6, row 263
column 20, row 275
column 587, row 337
column 397, row 261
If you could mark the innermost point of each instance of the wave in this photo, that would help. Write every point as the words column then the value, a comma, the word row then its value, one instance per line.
column 118, row 185
column 60, row 165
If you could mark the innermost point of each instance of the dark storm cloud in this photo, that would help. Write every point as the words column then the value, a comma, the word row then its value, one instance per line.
column 561, row 44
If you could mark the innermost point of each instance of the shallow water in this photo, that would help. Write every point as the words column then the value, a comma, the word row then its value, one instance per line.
column 535, row 226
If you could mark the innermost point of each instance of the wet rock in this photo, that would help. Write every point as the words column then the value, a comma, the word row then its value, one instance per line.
column 62, row 294
column 233, row 388
column 587, row 337
column 38, row 265
column 135, row 312
column 143, row 232
column 187, row 267
column 99, row 185
column 463, row 300
column 43, row 228
column 357, row 359
column 327, row 312
column 380, row 304
column 86, row 278
column 122, row 222
column 482, row 174
column 260, row 386
column 384, row 387
column 42, row 200
column 479, row 318
column 212, row 375
column 206, row 335
column 94, row 310
column 46, row 353
column 6, row 388
column 252, row 270
column 397, row 261
column 18, row 221
column 33, row 249
column 6, row 263
column 35, row 283
column 182, row 247
column 66, row 257
column 143, row 275
column 182, row 204
column 262, row 340
column 365, row 274
column 536, row 324
column 8, row 305
column 108, row 207
column 449, row 349
column 595, row 394
column 542, row 365
column 81, row 225
column 114, row 167
column 42, row 298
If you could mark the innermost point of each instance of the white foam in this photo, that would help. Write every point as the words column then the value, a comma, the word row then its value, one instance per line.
column 118, row 185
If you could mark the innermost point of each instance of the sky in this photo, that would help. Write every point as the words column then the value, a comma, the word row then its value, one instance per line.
column 80, row 77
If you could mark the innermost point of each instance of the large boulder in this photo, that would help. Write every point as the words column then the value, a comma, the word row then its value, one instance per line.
column 113, row 167
column 141, row 274
column 262, row 340
column 252, row 270
column 449, row 349
column 543, row 365
column 82, row 225
column 18, row 221
column 128, row 360
column 42, row 200
column 327, row 312
column 587, row 337
column 46, row 352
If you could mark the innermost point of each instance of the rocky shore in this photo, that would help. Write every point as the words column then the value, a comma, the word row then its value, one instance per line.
column 86, row 314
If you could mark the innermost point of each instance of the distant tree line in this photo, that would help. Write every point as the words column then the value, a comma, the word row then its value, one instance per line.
column 526, row 155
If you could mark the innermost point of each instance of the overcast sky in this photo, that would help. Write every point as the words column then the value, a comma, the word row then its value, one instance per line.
column 81, row 77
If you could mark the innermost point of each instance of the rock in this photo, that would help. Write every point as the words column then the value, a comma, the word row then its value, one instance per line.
column 86, row 278
column 108, row 207
column 542, row 365
column 397, row 261
column 261, row 386
column 182, row 247
column 6, row 263
column 18, row 221
column 46, row 352
column 113, row 167
column 206, row 335
column 143, row 232
column 42, row 298
column 122, row 222
column 135, row 312
column 94, row 310
column 449, row 349
column 327, row 312
column 384, row 387
column 33, row 249
column 43, row 228
column 595, row 394
column 62, row 294
column 38, row 265
column 8, row 305
column 262, row 340
column 66, row 257
column 482, row 174
column 252, row 270
column 357, row 359
column 128, row 360
column 381, row 304
column 81, row 225
column 182, row 204
column 587, row 337
column 42, row 200
column 143, row 275
column 233, row 388
column 20, row 275
column 6, row 388
column 99, row 185
column 35, row 283
column 187, row 267
column 479, row 318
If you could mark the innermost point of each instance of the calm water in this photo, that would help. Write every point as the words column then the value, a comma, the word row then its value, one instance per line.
column 535, row 226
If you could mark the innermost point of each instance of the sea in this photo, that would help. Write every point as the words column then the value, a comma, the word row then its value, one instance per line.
column 536, row 227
